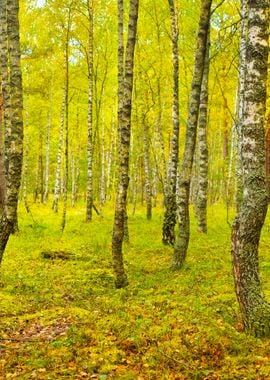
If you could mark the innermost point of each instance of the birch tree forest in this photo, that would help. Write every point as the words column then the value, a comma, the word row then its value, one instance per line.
column 134, row 189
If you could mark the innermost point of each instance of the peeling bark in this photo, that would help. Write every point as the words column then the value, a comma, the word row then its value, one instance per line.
column 14, row 140
column 252, row 210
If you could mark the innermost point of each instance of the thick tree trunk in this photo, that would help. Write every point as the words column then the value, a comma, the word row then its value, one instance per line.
column 201, row 199
column 124, row 122
column 168, row 235
column 14, row 145
column 181, row 245
column 252, row 210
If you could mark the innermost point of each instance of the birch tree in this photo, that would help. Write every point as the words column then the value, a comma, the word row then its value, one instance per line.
column 168, row 235
column 57, row 186
column 9, row 11
column 89, row 190
column 241, row 90
column 201, row 201
column 124, row 126
column 182, row 240
column 248, row 223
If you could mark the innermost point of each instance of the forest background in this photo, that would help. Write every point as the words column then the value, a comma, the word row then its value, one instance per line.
column 69, row 321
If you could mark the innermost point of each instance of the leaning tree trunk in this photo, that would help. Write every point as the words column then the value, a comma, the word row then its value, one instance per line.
column 124, row 122
column 168, row 234
column 14, row 147
column 252, row 210
column 182, row 240
column 201, row 201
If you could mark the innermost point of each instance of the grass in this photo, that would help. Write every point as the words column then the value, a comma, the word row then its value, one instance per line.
column 64, row 319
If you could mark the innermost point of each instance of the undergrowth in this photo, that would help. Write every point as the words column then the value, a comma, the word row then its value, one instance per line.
column 64, row 319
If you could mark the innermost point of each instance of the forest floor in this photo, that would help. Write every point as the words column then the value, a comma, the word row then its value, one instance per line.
column 63, row 319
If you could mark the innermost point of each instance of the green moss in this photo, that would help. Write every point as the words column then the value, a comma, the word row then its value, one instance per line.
column 66, row 318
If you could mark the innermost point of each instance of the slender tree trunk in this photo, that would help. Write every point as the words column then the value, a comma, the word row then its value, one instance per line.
column 39, row 171
column 147, row 171
column 14, row 147
column 181, row 245
column 47, row 158
column 109, row 160
column 168, row 234
column 252, row 210
column 267, row 154
column 2, row 161
column 201, row 201
column 57, row 186
column 66, row 144
column 121, row 78
column 75, row 165
column 160, row 156
column 134, row 188
column 102, row 195
column 124, row 122
column 5, row 79
column 89, row 191
column 26, row 158
column 241, row 90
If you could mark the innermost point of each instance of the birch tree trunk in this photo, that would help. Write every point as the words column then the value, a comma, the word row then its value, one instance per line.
column 5, row 80
column 25, row 169
column 267, row 157
column 89, row 190
column 124, row 122
column 168, row 234
column 57, row 186
column 247, row 226
column 2, row 162
column 201, row 201
column 39, row 188
column 66, row 143
column 241, row 104
column 102, row 193
column 121, row 78
column 181, row 244
column 75, row 167
column 147, row 171
column 47, row 158
column 13, row 147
